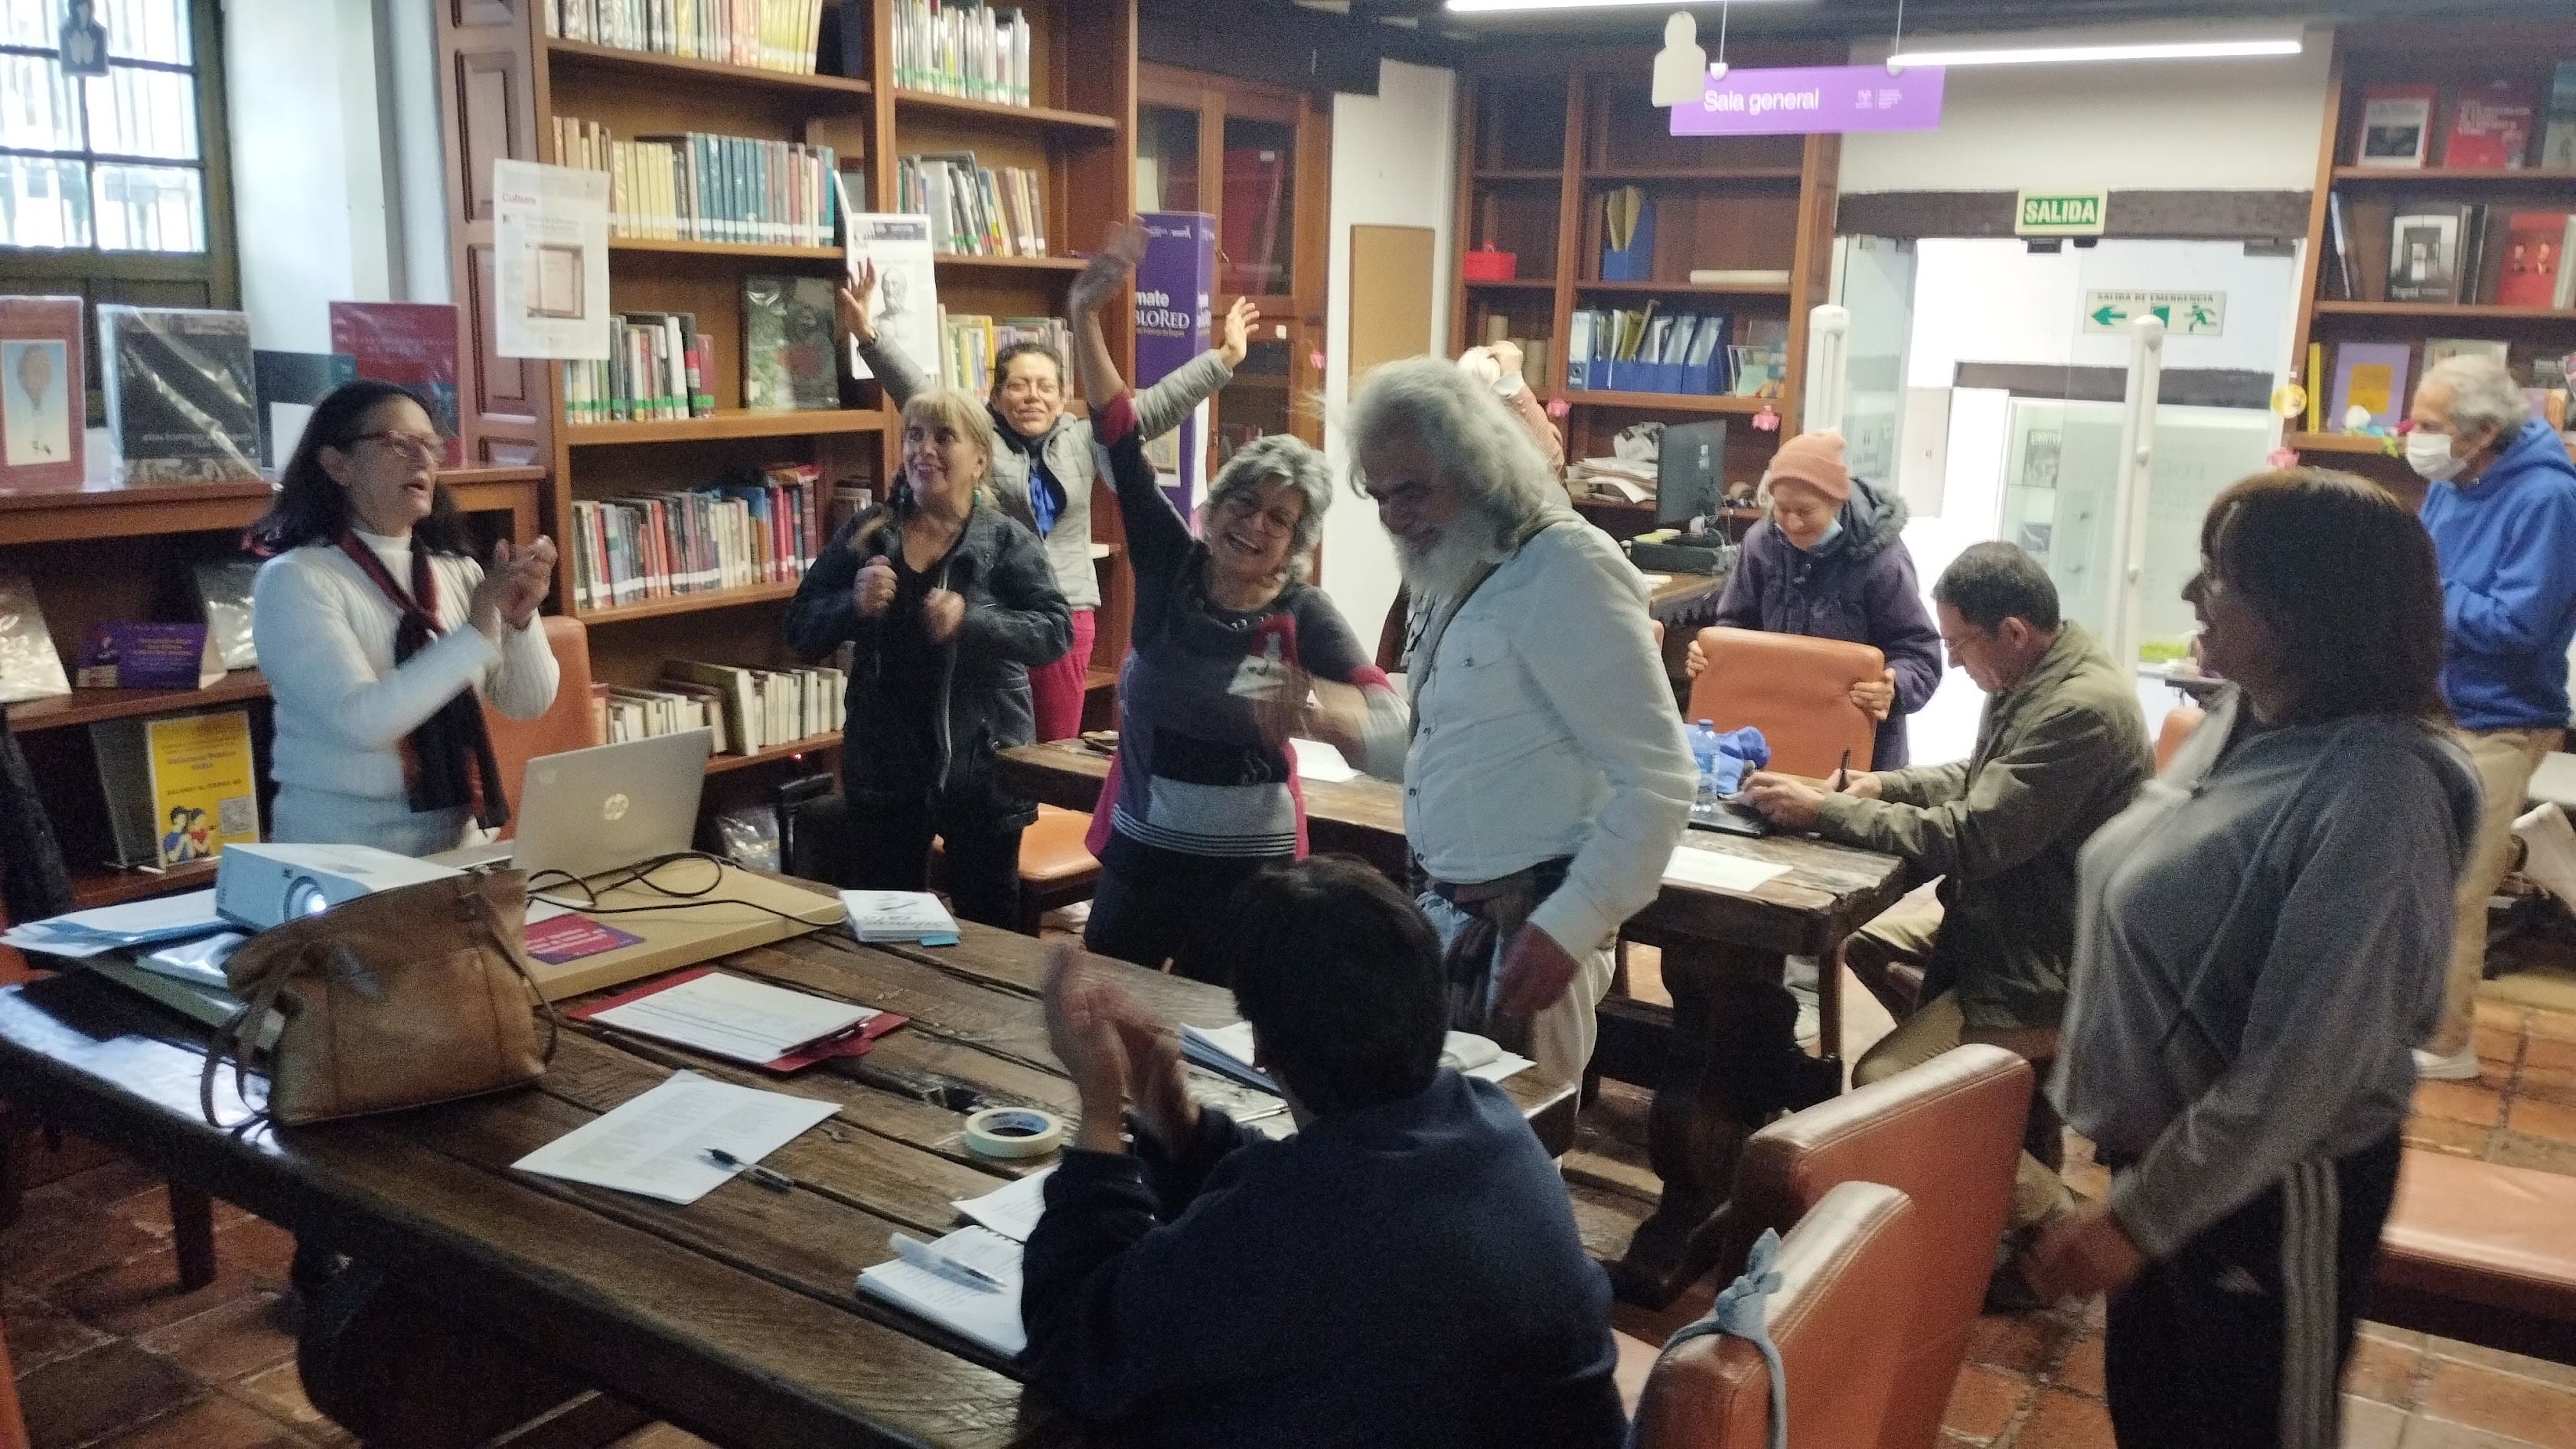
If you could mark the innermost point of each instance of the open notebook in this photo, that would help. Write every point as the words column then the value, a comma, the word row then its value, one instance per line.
column 989, row 1316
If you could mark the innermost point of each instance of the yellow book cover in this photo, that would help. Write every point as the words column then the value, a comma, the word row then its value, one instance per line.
column 2316, row 387
column 205, row 793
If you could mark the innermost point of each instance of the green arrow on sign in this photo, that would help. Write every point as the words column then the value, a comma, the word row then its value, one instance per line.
column 2110, row 314
column 2164, row 314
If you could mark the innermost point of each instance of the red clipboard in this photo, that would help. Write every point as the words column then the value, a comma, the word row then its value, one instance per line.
column 853, row 1042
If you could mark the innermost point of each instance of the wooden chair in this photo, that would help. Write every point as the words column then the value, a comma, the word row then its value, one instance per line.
column 1839, row 1335
column 1794, row 689
column 567, row 723
column 1056, row 868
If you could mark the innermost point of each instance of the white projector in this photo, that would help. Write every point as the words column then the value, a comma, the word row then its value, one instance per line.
column 260, row 886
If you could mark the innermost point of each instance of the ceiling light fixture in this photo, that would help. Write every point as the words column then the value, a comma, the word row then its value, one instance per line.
column 2058, row 54
column 1470, row 7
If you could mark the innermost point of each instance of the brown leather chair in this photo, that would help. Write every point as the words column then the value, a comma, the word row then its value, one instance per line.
column 1831, row 1319
column 567, row 723
column 2480, row 1251
column 2178, row 725
column 13, row 1422
column 1794, row 689
column 1947, row 1135
column 1056, row 868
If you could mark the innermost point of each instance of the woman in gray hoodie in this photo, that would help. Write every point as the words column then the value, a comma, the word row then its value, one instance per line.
column 2260, row 942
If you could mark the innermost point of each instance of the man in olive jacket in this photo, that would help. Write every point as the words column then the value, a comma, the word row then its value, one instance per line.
column 2062, row 748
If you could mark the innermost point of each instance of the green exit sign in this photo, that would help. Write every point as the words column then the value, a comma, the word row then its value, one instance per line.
column 2059, row 213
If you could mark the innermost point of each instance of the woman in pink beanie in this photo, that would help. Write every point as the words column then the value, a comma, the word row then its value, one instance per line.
column 1830, row 563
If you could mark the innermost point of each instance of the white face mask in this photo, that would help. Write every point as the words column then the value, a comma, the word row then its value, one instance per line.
column 2429, row 454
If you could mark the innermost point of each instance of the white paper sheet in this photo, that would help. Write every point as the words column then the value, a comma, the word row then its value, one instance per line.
column 1012, row 1209
column 749, row 1021
column 1317, row 760
column 989, row 1316
column 1718, row 870
column 550, row 246
column 656, row 1144
column 108, row 928
column 899, row 916
column 906, row 302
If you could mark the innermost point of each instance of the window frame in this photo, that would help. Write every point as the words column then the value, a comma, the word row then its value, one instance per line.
column 96, row 273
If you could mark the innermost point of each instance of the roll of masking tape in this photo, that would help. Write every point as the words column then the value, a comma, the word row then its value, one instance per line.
column 1013, row 1132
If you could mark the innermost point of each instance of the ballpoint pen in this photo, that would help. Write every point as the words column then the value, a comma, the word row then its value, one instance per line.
column 930, row 1260
column 1842, row 772
column 767, row 1177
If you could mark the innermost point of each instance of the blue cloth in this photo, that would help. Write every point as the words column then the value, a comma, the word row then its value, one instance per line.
column 1046, row 496
column 1743, row 1308
column 1739, row 753
column 1402, row 1274
column 2506, row 545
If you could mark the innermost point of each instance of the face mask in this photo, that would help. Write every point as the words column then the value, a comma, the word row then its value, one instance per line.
column 2429, row 454
column 1833, row 530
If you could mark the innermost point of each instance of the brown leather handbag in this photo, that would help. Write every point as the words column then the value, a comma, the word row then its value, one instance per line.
column 398, row 999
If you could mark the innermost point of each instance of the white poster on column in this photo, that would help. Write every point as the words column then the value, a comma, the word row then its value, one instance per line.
column 550, row 246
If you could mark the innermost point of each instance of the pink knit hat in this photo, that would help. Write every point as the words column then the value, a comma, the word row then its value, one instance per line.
column 1815, row 459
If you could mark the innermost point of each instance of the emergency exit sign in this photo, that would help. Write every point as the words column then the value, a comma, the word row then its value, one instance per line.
column 2059, row 213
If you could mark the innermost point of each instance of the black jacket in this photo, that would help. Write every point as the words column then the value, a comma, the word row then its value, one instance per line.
column 1015, row 618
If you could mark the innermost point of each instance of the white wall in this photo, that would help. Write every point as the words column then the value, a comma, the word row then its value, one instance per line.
column 335, row 161
column 2221, row 125
column 1393, row 155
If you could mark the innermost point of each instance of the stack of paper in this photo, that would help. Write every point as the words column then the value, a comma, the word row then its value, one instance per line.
column 113, row 928
column 748, row 1021
column 987, row 1315
column 656, row 1145
column 914, row 916
column 1317, row 760
column 1719, row 870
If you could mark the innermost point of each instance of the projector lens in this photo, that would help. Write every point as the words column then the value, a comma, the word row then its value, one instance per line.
column 304, row 898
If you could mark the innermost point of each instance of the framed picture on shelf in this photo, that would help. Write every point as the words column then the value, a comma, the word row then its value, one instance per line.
column 2424, row 254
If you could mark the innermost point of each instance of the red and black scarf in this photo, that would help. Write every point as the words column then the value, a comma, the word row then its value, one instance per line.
column 448, row 760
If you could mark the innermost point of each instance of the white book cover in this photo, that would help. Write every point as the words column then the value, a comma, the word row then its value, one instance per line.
column 898, row 916
column 906, row 304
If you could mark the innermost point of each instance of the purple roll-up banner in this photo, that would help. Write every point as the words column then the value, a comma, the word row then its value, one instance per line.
column 1813, row 100
column 1175, row 284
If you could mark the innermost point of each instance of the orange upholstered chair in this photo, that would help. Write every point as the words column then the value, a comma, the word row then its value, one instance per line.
column 2178, row 725
column 13, row 1423
column 1838, row 1332
column 1794, row 689
column 567, row 723
column 1947, row 1135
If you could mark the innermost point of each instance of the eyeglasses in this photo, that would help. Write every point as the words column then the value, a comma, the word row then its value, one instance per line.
column 418, row 445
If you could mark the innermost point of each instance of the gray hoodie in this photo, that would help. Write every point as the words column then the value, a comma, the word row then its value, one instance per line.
column 2259, row 944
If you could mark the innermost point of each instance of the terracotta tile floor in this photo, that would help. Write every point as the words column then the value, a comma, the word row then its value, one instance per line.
column 110, row 1354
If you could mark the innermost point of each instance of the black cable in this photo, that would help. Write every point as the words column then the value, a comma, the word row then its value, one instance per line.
column 641, row 874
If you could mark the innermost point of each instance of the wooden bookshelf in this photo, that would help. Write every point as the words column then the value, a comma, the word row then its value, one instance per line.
column 1542, row 136
column 811, row 744
column 97, row 886
column 512, row 80
column 89, row 706
column 2370, row 198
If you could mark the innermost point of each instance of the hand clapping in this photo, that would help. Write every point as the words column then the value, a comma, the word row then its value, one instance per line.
column 512, row 588
column 873, row 593
column 942, row 610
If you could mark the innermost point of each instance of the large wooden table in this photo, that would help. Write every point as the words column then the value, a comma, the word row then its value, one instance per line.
column 733, row 1317
column 1722, row 1060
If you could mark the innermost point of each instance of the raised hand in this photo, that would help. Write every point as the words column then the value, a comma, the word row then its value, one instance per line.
column 529, row 574
column 1236, row 338
column 852, row 302
column 1121, row 248
column 1082, row 1016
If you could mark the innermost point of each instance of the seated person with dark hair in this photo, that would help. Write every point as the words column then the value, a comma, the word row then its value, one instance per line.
column 1404, row 1270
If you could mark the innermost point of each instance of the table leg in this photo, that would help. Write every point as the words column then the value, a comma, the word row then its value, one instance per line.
column 1731, row 1063
column 192, row 1235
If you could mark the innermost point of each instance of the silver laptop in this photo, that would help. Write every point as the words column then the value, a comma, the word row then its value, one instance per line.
column 584, row 812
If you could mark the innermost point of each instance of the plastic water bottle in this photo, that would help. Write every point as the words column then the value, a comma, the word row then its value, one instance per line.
column 1703, row 747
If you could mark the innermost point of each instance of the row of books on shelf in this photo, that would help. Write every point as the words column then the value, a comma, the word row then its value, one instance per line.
column 189, row 398
column 2451, row 252
column 2494, row 124
column 1622, row 349
column 727, row 535
column 659, row 367
column 976, row 51
column 974, row 209
column 693, row 186
column 743, row 710
column 2374, row 378
column 778, row 35
column 969, row 343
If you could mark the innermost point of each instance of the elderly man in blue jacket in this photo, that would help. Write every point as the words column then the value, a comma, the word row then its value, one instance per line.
column 2502, row 511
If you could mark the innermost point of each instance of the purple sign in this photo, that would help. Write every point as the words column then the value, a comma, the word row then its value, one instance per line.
column 1813, row 100
column 1174, row 286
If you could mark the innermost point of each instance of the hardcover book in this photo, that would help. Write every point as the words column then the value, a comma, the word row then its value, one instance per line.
column 787, row 343
column 2535, row 254
column 180, row 400
column 2491, row 126
column 2372, row 377
column 223, row 593
column 148, row 656
column 42, row 413
column 178, row 789
column 2396, row 126
column 2424, row 253
column 29, row 667
column 412, row 343
column 289, row 385
column 2558, row 141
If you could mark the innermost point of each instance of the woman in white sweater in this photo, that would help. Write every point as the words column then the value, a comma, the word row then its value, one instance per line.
column 378, row 631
